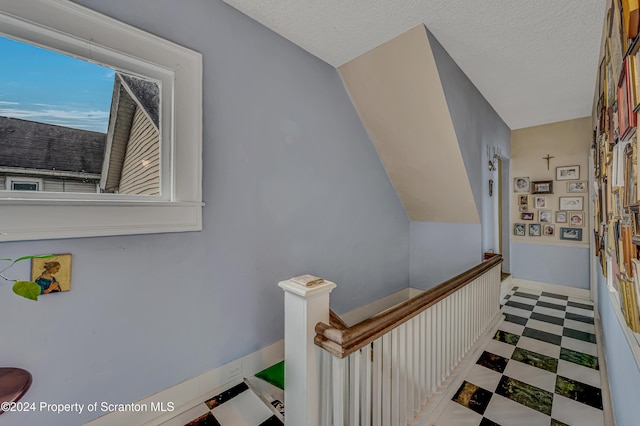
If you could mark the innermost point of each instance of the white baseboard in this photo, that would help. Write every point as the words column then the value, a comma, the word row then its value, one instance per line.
column 367, row 311
column 581, row 293
column 604, row 377
column 506, row 286
column 187, row 395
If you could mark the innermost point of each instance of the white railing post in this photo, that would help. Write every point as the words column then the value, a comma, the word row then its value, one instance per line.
column 304, row 307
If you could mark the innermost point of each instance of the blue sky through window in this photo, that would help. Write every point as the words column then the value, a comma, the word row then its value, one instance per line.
column 48, row 87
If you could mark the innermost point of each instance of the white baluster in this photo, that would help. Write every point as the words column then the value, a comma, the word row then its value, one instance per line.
column 395, row 378
column 338, row 367
column 418, row 339
column 402, row 373
column 387, row 345
column 376, row 402
column 431, row 351
column 424, row 371
column 325, row 388
column 458, row 333
column 449, row 335
column 409, row 372
column 476, row 311
column 439, row 347
column 354, row 388
column 467, row 317
column 367, row 383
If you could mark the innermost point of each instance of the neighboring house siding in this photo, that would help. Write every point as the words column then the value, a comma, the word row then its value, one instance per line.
column 141, row 169
column 55, row 184
column 124, row 108
column 66, row 185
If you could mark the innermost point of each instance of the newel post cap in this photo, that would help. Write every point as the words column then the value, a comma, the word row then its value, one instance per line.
column 307, row 286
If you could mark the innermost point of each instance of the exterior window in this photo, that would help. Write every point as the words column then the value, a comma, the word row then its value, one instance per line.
column 17, row 184
column 24, row 186
column 146, row 178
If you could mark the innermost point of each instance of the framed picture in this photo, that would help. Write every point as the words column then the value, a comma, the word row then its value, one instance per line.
column 576, row 219
column 523, row 200
column 601, row 75
column 626, row 102
column 540, row 202
column 629, row 177
column 623, row 106
column 535, row 230
column 635, row 222
column 542, row 187
column 548, row 230
column 526, row 216
column 568, row 173
column 521, row 184
column 545, row 216
column 523, row 209
column 561, row 217
column 571, row 203
column 52, row 274
column 577, row 186
column 519, row 229
column 571, row 234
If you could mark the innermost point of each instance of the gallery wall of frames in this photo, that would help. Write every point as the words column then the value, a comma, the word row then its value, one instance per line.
column 550, row 184
column 616, row 224
column 542, row 212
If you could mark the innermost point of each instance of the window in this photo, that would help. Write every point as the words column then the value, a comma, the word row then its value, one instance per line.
column 170, row 199
column 21, row 184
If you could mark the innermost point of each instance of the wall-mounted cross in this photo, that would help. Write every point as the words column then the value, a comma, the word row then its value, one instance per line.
column 548, row 157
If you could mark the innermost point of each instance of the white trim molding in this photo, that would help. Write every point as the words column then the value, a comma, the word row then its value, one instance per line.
column 68, row 28
column 186, row 399
column 506, row 285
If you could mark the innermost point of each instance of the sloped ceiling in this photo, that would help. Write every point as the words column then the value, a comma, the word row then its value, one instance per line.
column 397, row 92
column 535, row 61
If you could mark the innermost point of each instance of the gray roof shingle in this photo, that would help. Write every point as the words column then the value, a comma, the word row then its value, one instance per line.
column 33, row 145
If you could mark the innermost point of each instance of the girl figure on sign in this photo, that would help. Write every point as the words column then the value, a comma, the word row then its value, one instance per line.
column 46, row 280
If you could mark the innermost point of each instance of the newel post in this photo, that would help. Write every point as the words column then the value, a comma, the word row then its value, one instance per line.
column 306, row 303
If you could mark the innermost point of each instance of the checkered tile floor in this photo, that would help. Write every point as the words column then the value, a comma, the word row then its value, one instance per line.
column 238, row 406
column 540, row 368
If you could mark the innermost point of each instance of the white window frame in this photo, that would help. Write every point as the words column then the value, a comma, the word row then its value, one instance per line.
column 10, row 180
column 66, row 27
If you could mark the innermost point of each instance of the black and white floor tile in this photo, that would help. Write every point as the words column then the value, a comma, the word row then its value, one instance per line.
column 238, row 406
column 540, row 368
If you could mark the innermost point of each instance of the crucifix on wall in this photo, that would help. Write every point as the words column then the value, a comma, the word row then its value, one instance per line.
column 548, row 158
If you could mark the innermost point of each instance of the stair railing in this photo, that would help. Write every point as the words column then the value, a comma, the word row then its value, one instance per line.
column 386, row 369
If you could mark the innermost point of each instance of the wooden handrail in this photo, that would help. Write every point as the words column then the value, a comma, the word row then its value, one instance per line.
column 341, row 342
column 335, row 321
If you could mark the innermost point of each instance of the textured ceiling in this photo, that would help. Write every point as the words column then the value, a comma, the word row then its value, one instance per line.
column 535, row 61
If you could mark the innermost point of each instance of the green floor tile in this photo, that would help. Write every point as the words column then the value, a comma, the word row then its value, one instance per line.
column 525, row 394
column 580, row 392
column 535, row 359
column 273, row 375
column 503, row 336
column 579, row 358
column 472, row 397
column 579, row 335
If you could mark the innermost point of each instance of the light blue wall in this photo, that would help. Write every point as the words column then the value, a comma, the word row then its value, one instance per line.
column 624, row 376
column 477, row 125
column 554, row 264
column 440, row 251
column 292, row 185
